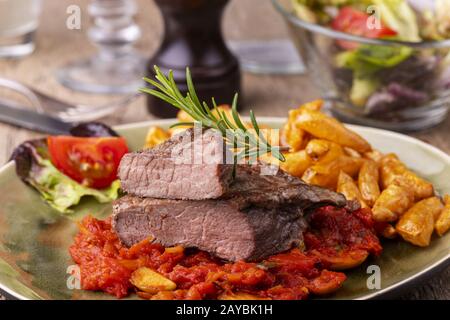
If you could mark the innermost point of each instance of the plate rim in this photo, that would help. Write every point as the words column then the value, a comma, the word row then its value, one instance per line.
column 443, row 262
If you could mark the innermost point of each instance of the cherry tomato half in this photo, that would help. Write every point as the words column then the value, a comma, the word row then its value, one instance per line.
column 92, row 162
column 353, row 21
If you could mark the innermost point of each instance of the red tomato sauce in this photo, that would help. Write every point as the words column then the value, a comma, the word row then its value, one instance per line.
column 107, row 266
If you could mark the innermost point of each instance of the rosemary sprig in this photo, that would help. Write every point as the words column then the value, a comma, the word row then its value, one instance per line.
column 241, row 139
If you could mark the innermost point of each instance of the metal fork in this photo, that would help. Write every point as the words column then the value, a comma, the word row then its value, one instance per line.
column 65, row 111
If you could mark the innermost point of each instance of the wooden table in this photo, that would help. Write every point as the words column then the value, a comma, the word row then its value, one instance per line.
column 244, row 19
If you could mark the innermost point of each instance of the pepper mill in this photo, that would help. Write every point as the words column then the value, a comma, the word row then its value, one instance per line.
column 193, row 38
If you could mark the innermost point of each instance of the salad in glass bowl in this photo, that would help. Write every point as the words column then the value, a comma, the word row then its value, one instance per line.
column 384, row 63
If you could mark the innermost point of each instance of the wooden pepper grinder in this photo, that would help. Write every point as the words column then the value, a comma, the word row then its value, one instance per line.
column 193, row 39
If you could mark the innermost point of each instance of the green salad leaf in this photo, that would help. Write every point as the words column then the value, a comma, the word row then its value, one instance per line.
column 365, row 62
column 362, row 89
column 399, row 16
column 33, row 166
column 367, row 59
column 314, row 11
column 61, row 192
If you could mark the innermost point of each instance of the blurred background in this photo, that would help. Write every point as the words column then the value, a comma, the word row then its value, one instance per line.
column 57, row 46
column 244, row 20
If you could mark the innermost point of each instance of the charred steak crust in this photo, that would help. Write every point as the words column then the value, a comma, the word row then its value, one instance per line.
column 187, row 166
column 251, row 187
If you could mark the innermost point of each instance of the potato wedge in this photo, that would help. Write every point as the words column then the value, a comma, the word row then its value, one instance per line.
column 349, row 260
column 155, row 136
column 147, row 280
column 417, row 224
column 323, row 151
column 182, row 116
column 296, row 163
column 392, row 203
column 315, row 105
column 291, row 134
column 374, row 155
column 389, row 232
column 352, row 152
column 391, row 169
column 317, row 148
column 322, row 126
column 368, row 182
column 347, row 186
column 442, row 224
column 327, row 174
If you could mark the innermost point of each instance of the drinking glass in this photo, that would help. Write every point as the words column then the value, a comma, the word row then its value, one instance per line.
column 19, row 20
column 413, row 95
column 116, row 67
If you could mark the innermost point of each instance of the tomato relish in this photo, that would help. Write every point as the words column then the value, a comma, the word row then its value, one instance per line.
column 335, row 235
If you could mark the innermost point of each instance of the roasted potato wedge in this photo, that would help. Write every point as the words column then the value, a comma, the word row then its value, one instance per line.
column 417, row 224
column 326, row 283
column 442, row 224
column 347, row 186
column 326, row 174
column 155, row 136
column 352, row 152
column 291, row 134
column 389, row 232
column 182, row 116
column 368, row 182
column 147, row 280
column 322, row 126
column 323, row 151
column 392, row 169
column 315, row 105
column 374, row 155
column 392, row 203
column 346, row 260
column 296, row 163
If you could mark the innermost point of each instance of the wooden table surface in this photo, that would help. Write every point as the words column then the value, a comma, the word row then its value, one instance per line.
column 244, row 19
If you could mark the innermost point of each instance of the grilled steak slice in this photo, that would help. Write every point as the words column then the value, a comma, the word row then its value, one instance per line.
column 187, row 166
column 252, row 187
column 258, row 216
column 217, row 226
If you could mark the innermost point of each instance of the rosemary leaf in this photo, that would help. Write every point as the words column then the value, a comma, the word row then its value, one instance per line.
column 242, row 140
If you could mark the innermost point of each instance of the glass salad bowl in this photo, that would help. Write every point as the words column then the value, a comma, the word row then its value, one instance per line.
column 391, row 84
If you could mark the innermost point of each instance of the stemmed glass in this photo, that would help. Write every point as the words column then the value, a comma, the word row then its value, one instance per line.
column 116, row 67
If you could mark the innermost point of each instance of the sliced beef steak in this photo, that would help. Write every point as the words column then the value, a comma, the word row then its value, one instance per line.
column 218, row 227
column 252, row 187
column 258, row 216
column 190, row 165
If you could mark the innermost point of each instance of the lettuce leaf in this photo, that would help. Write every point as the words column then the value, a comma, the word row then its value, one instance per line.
column 365, row 62
column 315, row 11
column 399, row 16
column 61, row 192
column 368, row 59
column 34, row 167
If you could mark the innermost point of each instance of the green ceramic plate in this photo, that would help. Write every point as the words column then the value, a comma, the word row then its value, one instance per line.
column 34, row 239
